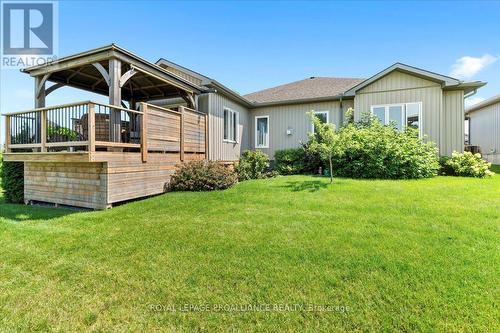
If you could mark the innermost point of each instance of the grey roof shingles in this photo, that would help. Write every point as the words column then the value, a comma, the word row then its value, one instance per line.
column 313, row 87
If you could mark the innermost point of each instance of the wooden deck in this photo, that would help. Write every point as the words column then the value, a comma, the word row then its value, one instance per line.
column 97, row 173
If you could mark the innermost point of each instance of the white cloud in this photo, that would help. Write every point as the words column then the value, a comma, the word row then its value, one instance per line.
column 473, row 100
column 466, row 67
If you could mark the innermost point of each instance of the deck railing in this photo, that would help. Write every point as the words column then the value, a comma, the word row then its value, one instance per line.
column 83, row 126
column 91, row 126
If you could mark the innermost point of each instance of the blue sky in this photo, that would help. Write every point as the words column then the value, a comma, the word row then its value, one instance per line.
column 250, row 46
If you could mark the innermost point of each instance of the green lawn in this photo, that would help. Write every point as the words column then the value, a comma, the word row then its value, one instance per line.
column 398, row 255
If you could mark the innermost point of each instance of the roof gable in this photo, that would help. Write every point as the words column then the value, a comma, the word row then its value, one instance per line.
column 397, row 80
column 414, row 71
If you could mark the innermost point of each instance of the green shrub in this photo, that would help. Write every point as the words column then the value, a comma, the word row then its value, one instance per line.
column 445, row 169
column 253, row 164
column 202, row 176
column 465, row 164
column 12, row 177
column 61, row 134
column 349, row 116
column 368, row 149
column 290, row 161
column 312, row 160
column 271, row 174
column 302, row 160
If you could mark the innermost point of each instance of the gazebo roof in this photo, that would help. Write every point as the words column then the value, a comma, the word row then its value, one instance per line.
column 88, row 71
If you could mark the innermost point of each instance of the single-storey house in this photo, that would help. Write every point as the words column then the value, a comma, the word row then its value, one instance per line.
column 275, row 118
column 483, row 121
column 93, row 154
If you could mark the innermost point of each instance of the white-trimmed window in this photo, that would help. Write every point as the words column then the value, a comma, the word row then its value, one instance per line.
column 231, row 120
column 401, row 115
column 262, row 132
column 323, row 117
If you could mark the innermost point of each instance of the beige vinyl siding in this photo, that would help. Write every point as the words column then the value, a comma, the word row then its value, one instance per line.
column 183, row 75
column 453, row 135
column 294, row 117
column 485, row 131
column 218, row 149
column 398, row 81
column 442, row 112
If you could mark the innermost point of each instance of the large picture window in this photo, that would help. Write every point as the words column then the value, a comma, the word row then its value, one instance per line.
column 401, row 115
column 262, row 132
column 230, row 125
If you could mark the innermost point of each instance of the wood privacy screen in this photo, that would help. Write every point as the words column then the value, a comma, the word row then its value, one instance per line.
column 166, row 130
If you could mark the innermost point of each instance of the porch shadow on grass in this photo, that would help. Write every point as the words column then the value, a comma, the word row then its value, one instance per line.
column 21, row 213
column 306, row 185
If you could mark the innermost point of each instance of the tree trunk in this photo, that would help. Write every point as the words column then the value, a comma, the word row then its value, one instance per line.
column 331, row 171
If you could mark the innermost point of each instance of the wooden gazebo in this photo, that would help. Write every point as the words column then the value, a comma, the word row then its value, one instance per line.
column 92, row 154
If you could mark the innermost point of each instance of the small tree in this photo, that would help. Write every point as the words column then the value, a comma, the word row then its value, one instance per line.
column 324, row 140
column 349, row 116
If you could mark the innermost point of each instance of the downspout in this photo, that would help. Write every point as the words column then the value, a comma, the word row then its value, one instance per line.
column 209, row 108
column 341, row 110
column 472, row 93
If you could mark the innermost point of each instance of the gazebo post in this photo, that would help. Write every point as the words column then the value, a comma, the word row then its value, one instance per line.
column 39, row 92
column 40, row 103
column 115, row 98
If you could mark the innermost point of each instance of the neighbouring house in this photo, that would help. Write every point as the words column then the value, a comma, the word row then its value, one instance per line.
column 93, row 154
column 483, row 122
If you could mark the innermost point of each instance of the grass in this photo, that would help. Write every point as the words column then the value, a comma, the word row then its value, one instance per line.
column 397, row 255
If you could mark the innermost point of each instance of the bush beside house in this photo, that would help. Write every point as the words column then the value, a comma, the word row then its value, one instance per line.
column 465, row 164
column 290, row 161
column 364, row 149
column 202, row 176
column 12, row 181
column 314, row 164
column 368, row 149
column 294, row 161
column 253, row 164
